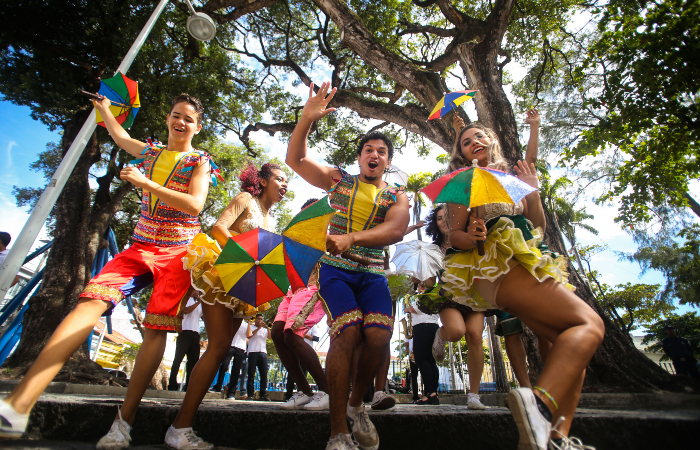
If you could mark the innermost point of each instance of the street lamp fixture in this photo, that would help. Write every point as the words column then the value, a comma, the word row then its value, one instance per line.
column 199, row 25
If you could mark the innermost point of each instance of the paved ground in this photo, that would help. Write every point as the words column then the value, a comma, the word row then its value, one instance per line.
column 77, row 422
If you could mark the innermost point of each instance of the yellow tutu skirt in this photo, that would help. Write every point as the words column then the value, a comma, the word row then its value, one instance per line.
column 201, row 255
column 504, row 242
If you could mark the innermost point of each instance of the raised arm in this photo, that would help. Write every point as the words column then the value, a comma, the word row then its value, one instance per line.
column 311, row 171
column 533, row 204
column 533, row 119
column 387, row 233
column 119, row 134
column 235, row 208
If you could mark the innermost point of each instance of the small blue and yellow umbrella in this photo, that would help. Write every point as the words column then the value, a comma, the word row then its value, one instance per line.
column 449, row 102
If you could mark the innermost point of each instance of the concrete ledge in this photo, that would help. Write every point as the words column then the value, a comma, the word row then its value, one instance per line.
column 96, row 389
column 626, row 402
column 262, row 425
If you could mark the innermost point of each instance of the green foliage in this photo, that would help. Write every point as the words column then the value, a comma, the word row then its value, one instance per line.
column 639, row 303
column 127, row 355
column 679, row 262
column 687, row 326
column 646, row 58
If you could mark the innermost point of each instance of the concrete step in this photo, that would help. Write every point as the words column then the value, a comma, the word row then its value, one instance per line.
column 262, row 425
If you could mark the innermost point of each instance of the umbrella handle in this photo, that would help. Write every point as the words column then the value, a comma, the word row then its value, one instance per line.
column 480, row 248
column 99, row 97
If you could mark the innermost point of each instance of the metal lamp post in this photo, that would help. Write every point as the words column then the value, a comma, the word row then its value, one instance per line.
column 201, row 27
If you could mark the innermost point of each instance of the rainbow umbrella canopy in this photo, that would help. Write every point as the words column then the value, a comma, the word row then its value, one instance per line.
column 259, row 266
column 476, row 186
column 305, row 241
column 251, row 267
column 124, row 95
column 450, row 101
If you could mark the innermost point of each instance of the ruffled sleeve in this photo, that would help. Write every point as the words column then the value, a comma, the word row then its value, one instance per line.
column 148, row 154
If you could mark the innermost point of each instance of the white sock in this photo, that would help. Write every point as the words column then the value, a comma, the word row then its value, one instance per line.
column 354, row 409
column 179, row 430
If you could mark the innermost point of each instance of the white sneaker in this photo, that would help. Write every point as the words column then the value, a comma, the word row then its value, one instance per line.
column 12, row 424
column 319, row 402
column 567, row 443
column 474, row 402
column 184, row 439
column 118, row 437
column 438, row 347
column 297, row 401
column 362, row 428
column 534, row 429
column 342, row 442
column 382, row 401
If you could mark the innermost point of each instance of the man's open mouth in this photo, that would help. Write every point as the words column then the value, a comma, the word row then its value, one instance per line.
column 179, row 129
column 373, row 165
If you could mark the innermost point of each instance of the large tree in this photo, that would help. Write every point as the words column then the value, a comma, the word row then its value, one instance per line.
column 392, row 62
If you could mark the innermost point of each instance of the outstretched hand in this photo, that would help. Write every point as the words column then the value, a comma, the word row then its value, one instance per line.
column 527, row 173
column 315, row 107
column 457, row 122
column 533, row 117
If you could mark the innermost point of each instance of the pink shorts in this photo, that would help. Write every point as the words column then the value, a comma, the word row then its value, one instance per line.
column 291, row 306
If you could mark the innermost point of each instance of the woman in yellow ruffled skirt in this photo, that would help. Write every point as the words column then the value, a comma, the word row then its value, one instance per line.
column 518, row 278
column 260, row 191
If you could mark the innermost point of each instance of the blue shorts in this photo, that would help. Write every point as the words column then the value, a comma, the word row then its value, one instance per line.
column 352, row 298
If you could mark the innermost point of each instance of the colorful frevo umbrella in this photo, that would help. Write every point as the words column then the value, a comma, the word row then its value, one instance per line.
column 259, row 266
column 124, row 95
column 477, row 186
column 449, row 102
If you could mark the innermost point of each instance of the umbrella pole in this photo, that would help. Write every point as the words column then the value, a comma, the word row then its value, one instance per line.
column 479, row 244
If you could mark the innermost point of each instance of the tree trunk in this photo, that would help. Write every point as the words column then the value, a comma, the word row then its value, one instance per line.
column 77, row 237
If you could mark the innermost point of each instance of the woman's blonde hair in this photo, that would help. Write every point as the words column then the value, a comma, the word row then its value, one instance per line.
column 496, row 161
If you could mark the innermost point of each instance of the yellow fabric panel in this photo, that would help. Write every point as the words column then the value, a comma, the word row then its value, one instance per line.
column 487, row 189
column 311, row 232
column 363, row 205
column 231, row 273
column 276, row 256
column 162, row 169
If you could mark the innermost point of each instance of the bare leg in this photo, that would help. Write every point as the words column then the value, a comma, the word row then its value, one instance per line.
column 380, row 381
column 518, row 360
column 543, row 345
column 221, row 326
column 558, row 315
column 289, row 359
column 308, row 358
column 567, row 408
column 70, row 334
column 147, row 361
column 453, row 326
column 375, row 346
column 474, row 323
column 338, row 367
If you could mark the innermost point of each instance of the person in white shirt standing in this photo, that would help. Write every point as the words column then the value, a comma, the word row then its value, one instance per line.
column 187, row 341
column 424, row 328
column 257, row 357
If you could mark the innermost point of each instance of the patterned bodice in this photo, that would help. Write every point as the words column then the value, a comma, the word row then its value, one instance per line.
column 255, row 218
column 494, row 210
column 360, row 206
column 160, row 223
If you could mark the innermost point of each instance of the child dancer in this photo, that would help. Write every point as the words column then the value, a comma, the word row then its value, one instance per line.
column 174, row 190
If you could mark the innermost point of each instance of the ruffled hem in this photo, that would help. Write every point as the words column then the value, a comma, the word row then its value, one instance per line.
column 504, row 242
column 199, row 260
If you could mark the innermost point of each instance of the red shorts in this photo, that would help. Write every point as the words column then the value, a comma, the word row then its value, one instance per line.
column 137, row 267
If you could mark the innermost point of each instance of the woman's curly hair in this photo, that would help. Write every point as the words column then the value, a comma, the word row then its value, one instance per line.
column 251, row 177
column 496, row 161
column 433, row 229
